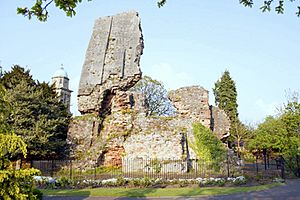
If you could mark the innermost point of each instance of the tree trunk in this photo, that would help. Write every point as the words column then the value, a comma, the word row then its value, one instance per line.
column 256, row 163
column 265, row 158
column 238, row 146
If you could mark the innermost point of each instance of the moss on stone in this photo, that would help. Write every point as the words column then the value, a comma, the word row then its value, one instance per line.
column 127, row 111
column 87, row 117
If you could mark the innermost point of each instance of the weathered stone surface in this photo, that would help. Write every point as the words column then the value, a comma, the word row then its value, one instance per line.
column 85, row 139
column 220, row 123
column 112, row 60
column 192, row 102
column 112, row 156
column 118, row 128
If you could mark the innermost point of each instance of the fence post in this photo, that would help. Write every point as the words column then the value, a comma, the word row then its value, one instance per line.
column 256, row 162
column 268, row 160
column 228, row 168
column 52, row 168
column 71, row 169
column 282, row 168
column 298, row 166
column 95, row 170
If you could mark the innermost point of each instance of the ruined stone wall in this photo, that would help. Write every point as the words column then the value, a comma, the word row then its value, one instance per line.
column 220, row 123
column 113, row 125
column 112, row 60
column 127, row 133
column 192, row 102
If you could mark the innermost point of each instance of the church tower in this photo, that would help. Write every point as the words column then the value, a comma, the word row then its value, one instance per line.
column 61, row 84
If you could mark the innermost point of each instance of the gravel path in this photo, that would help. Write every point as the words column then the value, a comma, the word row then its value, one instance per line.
column 290, row 191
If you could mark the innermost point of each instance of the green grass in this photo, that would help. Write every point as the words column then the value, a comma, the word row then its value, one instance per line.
column 157, row 192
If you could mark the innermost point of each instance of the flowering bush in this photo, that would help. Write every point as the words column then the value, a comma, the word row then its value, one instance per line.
column 63, row 182
column 15, row 184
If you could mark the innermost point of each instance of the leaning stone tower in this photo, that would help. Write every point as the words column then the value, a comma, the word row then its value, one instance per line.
column 61, row 83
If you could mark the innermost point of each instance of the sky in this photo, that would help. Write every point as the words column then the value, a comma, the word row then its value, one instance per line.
column 187, row 42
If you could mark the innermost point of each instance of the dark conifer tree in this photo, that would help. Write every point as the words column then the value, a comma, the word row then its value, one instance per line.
column 36, row 114
column 226, row 98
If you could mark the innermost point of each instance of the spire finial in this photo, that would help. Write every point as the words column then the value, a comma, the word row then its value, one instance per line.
column 62, row 66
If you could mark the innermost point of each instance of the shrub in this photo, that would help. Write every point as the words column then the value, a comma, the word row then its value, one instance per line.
column 121, row 181
column 208, row 147
column 14, row 184
column 146, row 182
column 38, row 194
column 64, row 182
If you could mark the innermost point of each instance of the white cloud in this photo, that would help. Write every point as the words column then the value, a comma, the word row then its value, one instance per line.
column 266, row 108
column 169, row 75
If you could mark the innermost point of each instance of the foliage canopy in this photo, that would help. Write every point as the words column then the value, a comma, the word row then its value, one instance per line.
column 40, row 7
column 226, row 96
column 226, row 99
column 155, row 97
column 280, row 136
column 35, row 113
column 14, row 184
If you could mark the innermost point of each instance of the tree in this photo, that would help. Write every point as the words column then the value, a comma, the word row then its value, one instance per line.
column 36, row 114
column 39, row 8
column 267, row 6
column 291, row 119
column 241, row 135
column 271, row 135
column 280, row 136
column 156, row 98
column 4, row 109
column 226, row 99
column 14, row 184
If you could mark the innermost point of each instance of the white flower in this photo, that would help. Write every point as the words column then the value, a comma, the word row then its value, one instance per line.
column 112, row 180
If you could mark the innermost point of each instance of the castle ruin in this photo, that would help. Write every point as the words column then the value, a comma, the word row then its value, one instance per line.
column 113, row 125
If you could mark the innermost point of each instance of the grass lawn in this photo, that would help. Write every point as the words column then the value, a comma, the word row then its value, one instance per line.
column 157, row 192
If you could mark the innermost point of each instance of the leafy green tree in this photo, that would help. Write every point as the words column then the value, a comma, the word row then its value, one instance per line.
column 280, row 135
column 291, row 119
column 226, row 99
column 268, row 5
column 14, row 184
column 156, row 98
column 36, row 114
column 271, row 135
column 207, row 146
column 4, row 110
column 243, row 132
column 40, row 7
column 291, row 116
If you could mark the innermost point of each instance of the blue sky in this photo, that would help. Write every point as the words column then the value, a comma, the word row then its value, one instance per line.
column 186, row 43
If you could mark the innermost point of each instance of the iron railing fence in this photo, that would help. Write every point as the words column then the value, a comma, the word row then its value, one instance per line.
column 152, row 168
column 265, row 169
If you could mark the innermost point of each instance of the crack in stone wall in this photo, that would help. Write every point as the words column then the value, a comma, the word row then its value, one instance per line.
column 112, row 59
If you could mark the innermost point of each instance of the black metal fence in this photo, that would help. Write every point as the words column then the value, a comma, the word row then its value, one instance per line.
column 265, row 169
column 133, row 168
column 154, row 168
